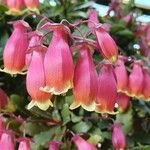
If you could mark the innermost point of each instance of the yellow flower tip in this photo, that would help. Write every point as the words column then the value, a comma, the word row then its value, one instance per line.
column 74, row 105
column 90, row 107
column 42, row 105
column 54, row 91
column 113, row 59
column 14, row 12
column 36, row 10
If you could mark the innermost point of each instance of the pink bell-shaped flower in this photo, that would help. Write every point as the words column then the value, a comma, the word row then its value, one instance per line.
column 136, row 78
column 118, row 137
column 3, row 99
column 54, row 145
column 81, row 144
column 109, row 51
column 36, row 75
column 7, row 141
column 58, row 61
column 16, row 48
column 32, row 4
column 15, row 7
column 107, row 90
column 123, row 102
column 24, row 144
column 85, row 80
column 121, row 75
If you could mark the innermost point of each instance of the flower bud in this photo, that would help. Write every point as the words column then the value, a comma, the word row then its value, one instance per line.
column 24, row 144
column 146, row 87
column 15, row 7
column 107, row 90
column 85, row 80
column 36, row 76
column 81, row 144
column 136, row 80
column 123, row 102
column 58, row 61
column 118, row 137
column 7, row 141
column 3, row 99
column 109, row 51
column 54, row 145
column 128, row 19
column 15, row 49
column 121, row 75
column 32, row 4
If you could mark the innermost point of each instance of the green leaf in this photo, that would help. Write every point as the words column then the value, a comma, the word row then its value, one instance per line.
column 75, row 118
column 82, row 127
column 145, row 147
column 94, row 139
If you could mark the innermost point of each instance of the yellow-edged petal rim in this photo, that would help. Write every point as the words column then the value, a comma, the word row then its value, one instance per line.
column 14, row 12
column 90, row 107
column 12, row 72
column 112, row 60
column 42, row 105
column 36, row 10
column 54, row 91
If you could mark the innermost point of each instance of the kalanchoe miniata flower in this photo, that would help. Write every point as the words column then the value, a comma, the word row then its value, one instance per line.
column 7, row 141
column 85, row 80
column 32, row 5
column 107, row 90
column 118, row 137
column 128, row 19
column 15, row 49
column 15, row 7
column 123, row 102
column 58, row 61
column 24, row 144
column 3, row 99
column 121, row 74
column 146, row 83
column 82, row 144
column 54, row 145
column 135, row 84
column 36, row 75
column 109, row 51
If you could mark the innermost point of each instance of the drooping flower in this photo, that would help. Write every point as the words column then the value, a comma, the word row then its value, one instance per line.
column 54, row 145
column 36, row 75
column 15, row 7
column 135, row 84
column 7, row 141
column 109, row 51
column 123, row 101
column 32, row 4
column 107, row 90
column 128, row 19
column 118, row 137
column 121, row 75
column 146, row 83
column 58, row 61
column 82, row 144
column 2, row 126
column 3, row 99
column 85, row 80
column 24, row 144
column 15, row 49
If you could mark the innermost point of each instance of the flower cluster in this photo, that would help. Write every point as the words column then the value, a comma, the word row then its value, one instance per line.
column 16, row 7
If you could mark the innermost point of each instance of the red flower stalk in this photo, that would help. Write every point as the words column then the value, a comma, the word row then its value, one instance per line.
column 32, row 4
column 3, row 99
column 107, row 90
column 15, row 7
column 121, row 75
column 109, row 51
column 24, row 144
column 36, row 75
column 85, row 80
column 146, row 83
column 15, row 49
column 54, row 145
column 81, row 144
column 118, row 137
column 123, row 102
column 136, row 80
column 58, row 61
column 7, row 141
